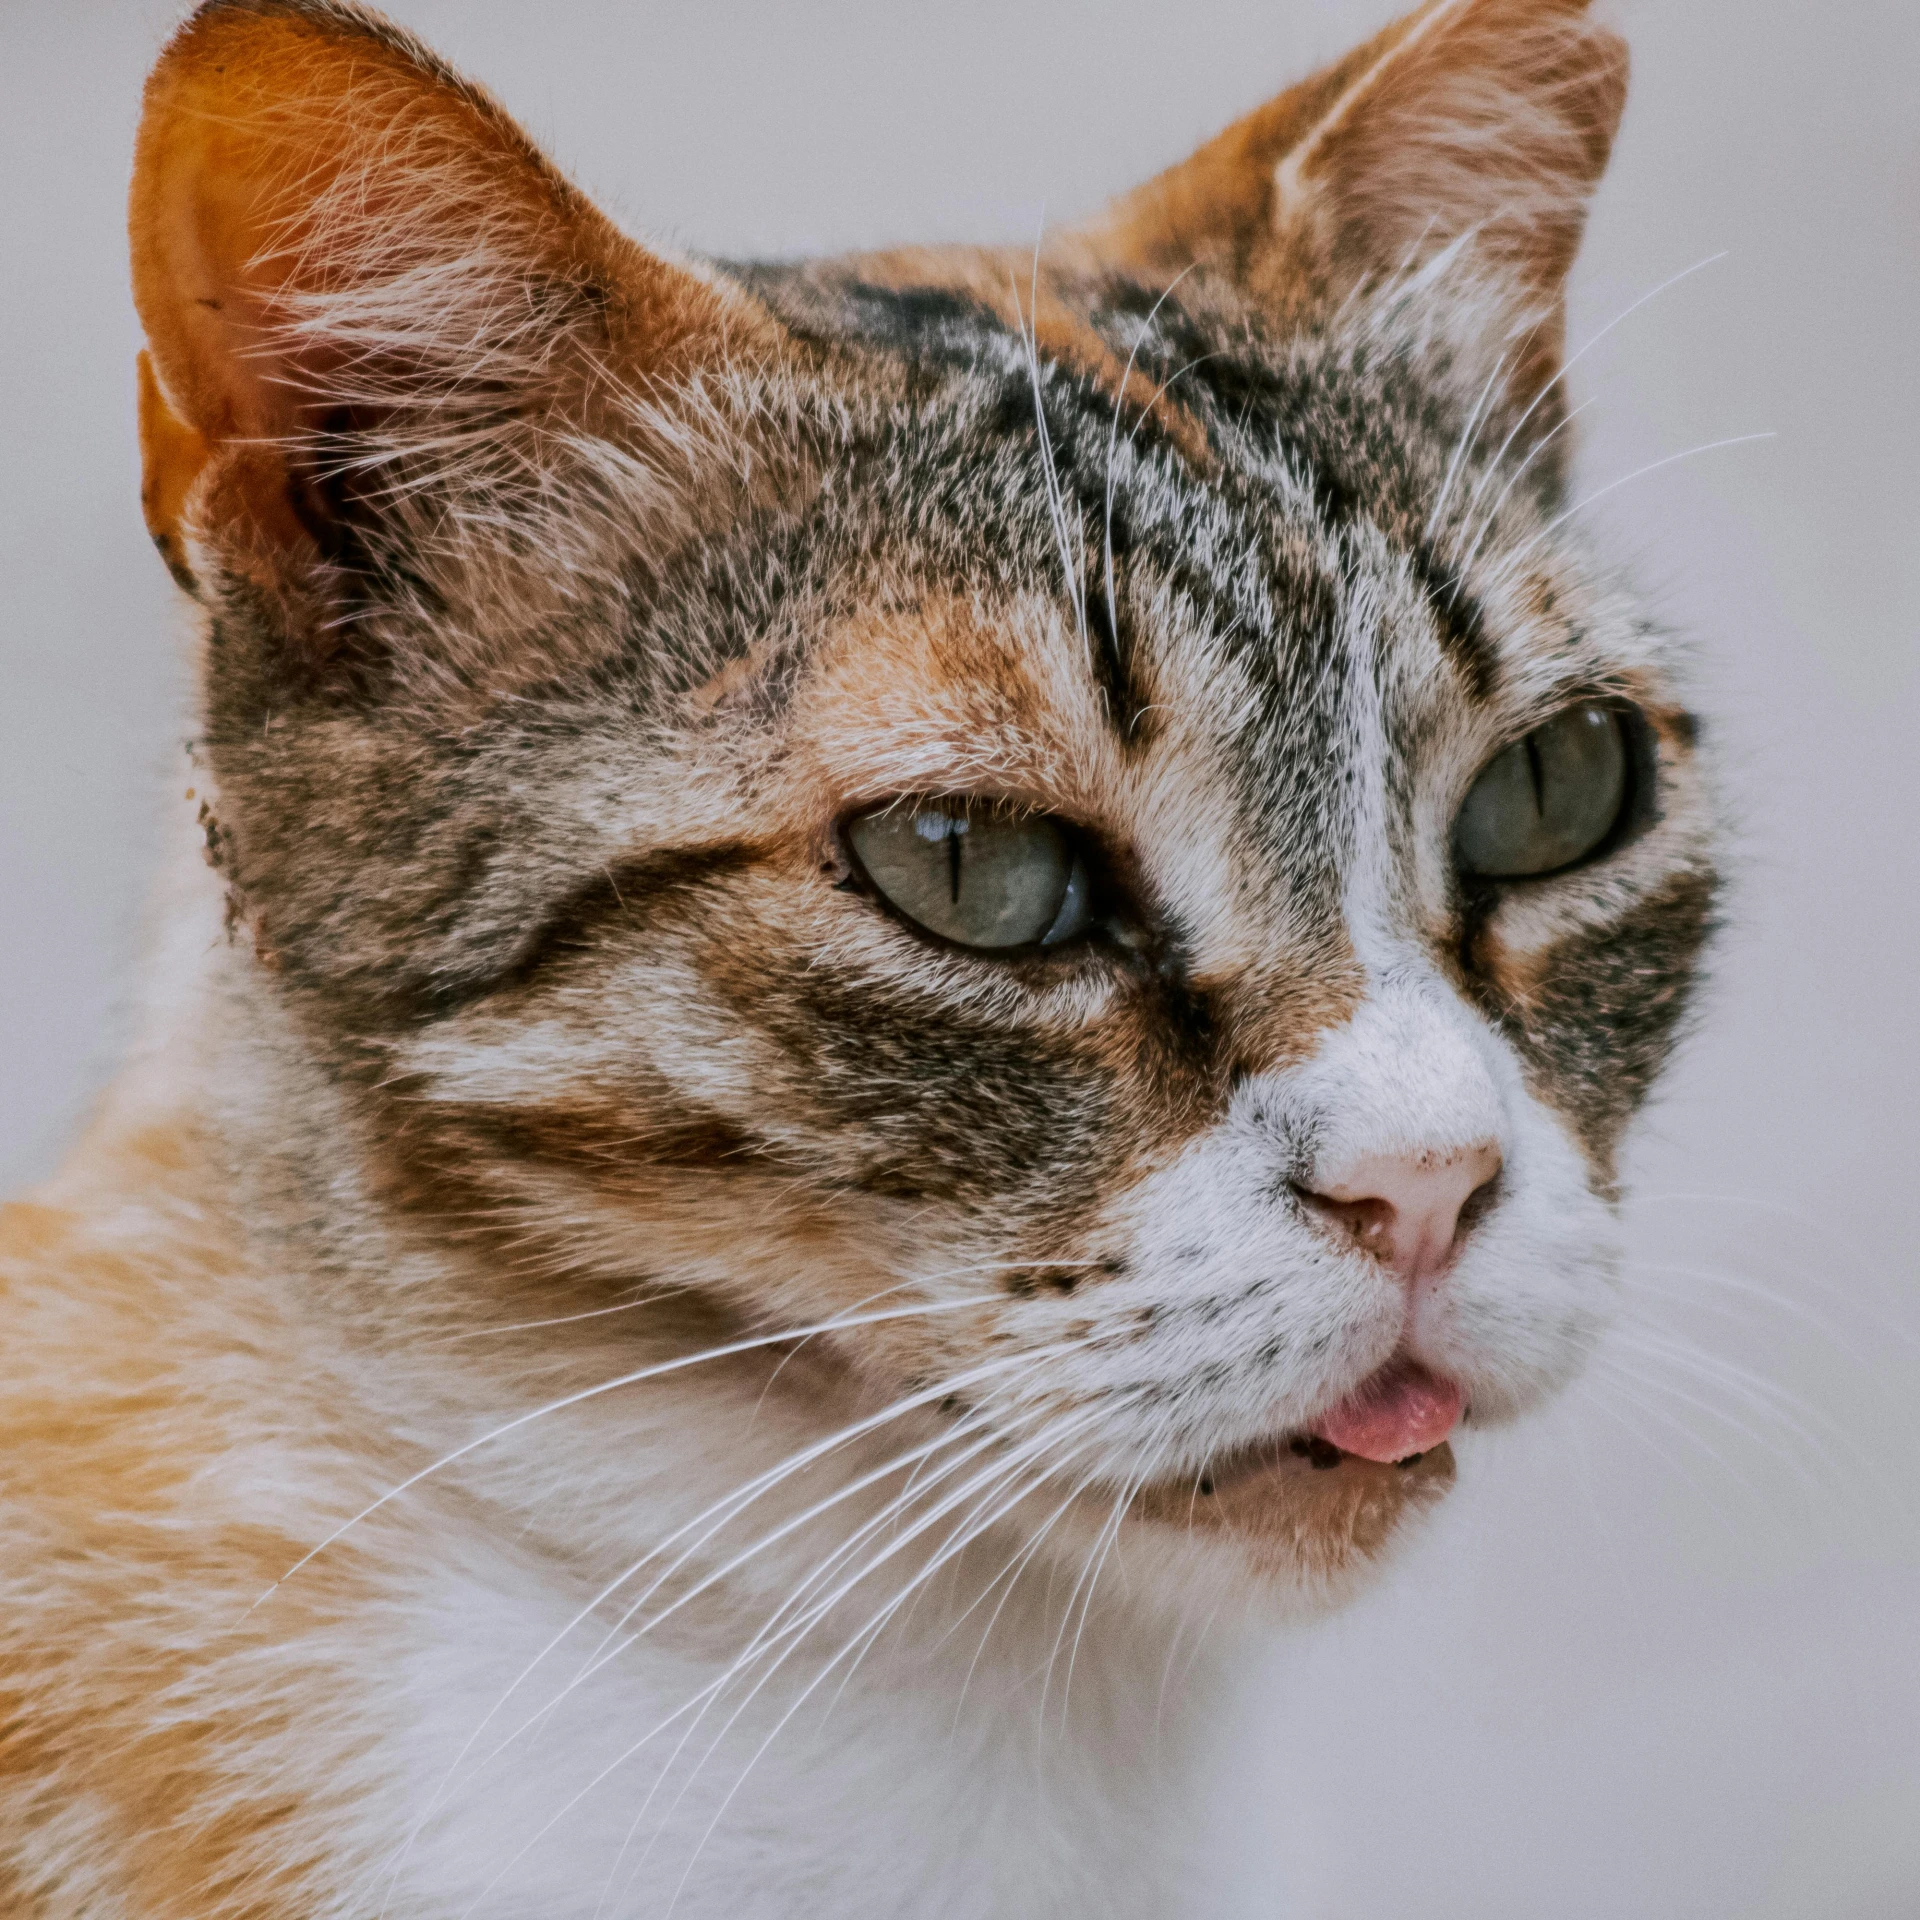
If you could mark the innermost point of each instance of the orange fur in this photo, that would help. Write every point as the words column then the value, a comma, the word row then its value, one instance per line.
column 259, row 132
column 145, row 1365
column 1408, row 145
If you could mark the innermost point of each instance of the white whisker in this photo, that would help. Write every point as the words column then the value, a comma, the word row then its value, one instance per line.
column 733, row 1504
column 1572, row 360
column 790, row 1632
column 1113, row 439
column 655, row 1372
column 1515, row 561
column 1464, row 566
column 1050, row 473
column 878, row 1620
column 1469, row 433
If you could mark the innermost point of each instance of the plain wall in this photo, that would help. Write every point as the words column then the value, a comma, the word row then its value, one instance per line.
column 1660, row 1655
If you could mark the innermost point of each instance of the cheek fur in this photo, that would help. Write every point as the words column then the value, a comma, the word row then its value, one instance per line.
column 1596, row 1018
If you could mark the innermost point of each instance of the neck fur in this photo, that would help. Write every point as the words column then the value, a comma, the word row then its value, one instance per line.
column 622, row 1609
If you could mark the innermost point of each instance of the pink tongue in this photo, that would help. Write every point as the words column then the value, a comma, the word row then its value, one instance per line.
column 1402, row 1409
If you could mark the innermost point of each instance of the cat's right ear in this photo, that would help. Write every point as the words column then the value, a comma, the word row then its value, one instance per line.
column 383, row 330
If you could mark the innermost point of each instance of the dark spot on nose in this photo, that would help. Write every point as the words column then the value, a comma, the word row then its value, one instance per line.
column 1206, row 1483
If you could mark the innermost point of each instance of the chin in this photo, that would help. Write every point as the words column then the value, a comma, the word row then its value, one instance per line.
column 1286, row 1530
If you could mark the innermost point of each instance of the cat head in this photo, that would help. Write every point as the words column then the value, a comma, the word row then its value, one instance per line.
column 1080, row 819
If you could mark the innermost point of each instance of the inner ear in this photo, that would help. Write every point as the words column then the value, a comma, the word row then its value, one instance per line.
column 364, row 289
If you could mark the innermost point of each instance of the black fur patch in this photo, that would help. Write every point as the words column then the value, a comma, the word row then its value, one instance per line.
column 1602, row 1020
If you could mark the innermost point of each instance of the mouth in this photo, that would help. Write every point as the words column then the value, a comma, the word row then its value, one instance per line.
column 1329, row 1495
column 1395, row 1417
column 1392, row 1417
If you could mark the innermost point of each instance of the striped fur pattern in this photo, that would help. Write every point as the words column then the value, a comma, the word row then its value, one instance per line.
column 594, row 1369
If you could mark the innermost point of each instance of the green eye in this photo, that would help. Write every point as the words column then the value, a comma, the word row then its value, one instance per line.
column 1548, row 800
column 976, row 874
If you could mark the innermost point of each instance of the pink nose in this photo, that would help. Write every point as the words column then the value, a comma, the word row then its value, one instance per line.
column 1407, row 1212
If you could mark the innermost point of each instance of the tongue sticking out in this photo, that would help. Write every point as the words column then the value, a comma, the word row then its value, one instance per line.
column 1401, row 1410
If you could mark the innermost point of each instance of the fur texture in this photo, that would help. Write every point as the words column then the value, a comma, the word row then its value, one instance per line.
column 591, row 1368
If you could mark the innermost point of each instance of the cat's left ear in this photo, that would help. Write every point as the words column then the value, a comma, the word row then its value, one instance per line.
column 1465, row 138
column 392, row 351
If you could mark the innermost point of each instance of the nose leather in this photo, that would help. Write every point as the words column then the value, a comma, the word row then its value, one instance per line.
column 1405, row 1210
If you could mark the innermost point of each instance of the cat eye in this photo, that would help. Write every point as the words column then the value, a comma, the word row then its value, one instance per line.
column 976, row 873
column 1549, row 799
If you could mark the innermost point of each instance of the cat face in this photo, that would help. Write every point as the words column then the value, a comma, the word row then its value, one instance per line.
column 1083, row 824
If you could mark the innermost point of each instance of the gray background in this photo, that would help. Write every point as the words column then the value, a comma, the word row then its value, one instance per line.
column 1661, row 1654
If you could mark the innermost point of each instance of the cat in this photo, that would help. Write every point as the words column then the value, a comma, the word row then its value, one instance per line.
column 890, row 983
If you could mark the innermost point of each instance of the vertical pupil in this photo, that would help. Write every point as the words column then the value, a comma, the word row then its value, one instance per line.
column 1539, row 774
column 955, row 828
